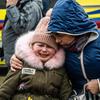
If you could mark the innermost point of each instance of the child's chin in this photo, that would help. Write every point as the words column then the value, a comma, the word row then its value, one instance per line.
column 44, row 59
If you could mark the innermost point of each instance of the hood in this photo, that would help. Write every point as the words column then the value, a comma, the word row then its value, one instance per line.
column 68, row 17
column 24, row 52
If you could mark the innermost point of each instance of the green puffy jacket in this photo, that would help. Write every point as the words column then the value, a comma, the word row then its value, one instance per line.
column 43, row 85
column 39, row 81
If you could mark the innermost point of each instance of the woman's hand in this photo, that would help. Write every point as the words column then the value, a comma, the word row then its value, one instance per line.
column 15, row 63
column 92, row 86
column 11, row 2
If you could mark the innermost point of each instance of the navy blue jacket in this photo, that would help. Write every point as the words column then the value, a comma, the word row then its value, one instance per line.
column 68, row 17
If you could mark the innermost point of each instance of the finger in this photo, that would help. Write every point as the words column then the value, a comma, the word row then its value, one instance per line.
column 87, row 87
column 15, row 61
column 16, row 66
column 13, row 56
column 12, row 69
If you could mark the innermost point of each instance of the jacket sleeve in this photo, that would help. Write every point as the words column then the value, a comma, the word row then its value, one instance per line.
column 66, row 88
column 8, row 87
column 25, row 18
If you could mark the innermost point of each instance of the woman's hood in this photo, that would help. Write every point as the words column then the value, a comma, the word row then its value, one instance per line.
column 24, row 52
column 68, row 17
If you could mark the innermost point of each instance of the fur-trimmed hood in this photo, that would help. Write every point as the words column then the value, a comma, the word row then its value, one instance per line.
column 24, row 52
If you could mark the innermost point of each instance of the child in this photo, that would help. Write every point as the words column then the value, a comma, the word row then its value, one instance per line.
column 42, row 76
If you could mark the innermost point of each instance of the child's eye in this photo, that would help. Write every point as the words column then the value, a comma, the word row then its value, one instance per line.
column 40, row 45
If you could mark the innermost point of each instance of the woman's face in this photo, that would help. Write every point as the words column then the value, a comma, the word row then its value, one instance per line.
column 63, row 39
column 43, row 51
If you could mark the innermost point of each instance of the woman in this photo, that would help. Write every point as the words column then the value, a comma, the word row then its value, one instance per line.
column 79, row 35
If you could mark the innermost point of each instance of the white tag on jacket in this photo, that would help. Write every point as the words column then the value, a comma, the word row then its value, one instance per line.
column 30, row 71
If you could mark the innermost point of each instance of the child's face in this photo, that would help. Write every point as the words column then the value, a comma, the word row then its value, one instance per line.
column 43, row 51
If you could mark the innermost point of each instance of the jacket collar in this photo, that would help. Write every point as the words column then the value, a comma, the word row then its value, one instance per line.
column 55, row 62
column 24, row 52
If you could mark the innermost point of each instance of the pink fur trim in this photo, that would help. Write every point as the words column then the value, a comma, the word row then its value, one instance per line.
column 57, row 61
column 24, row 51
